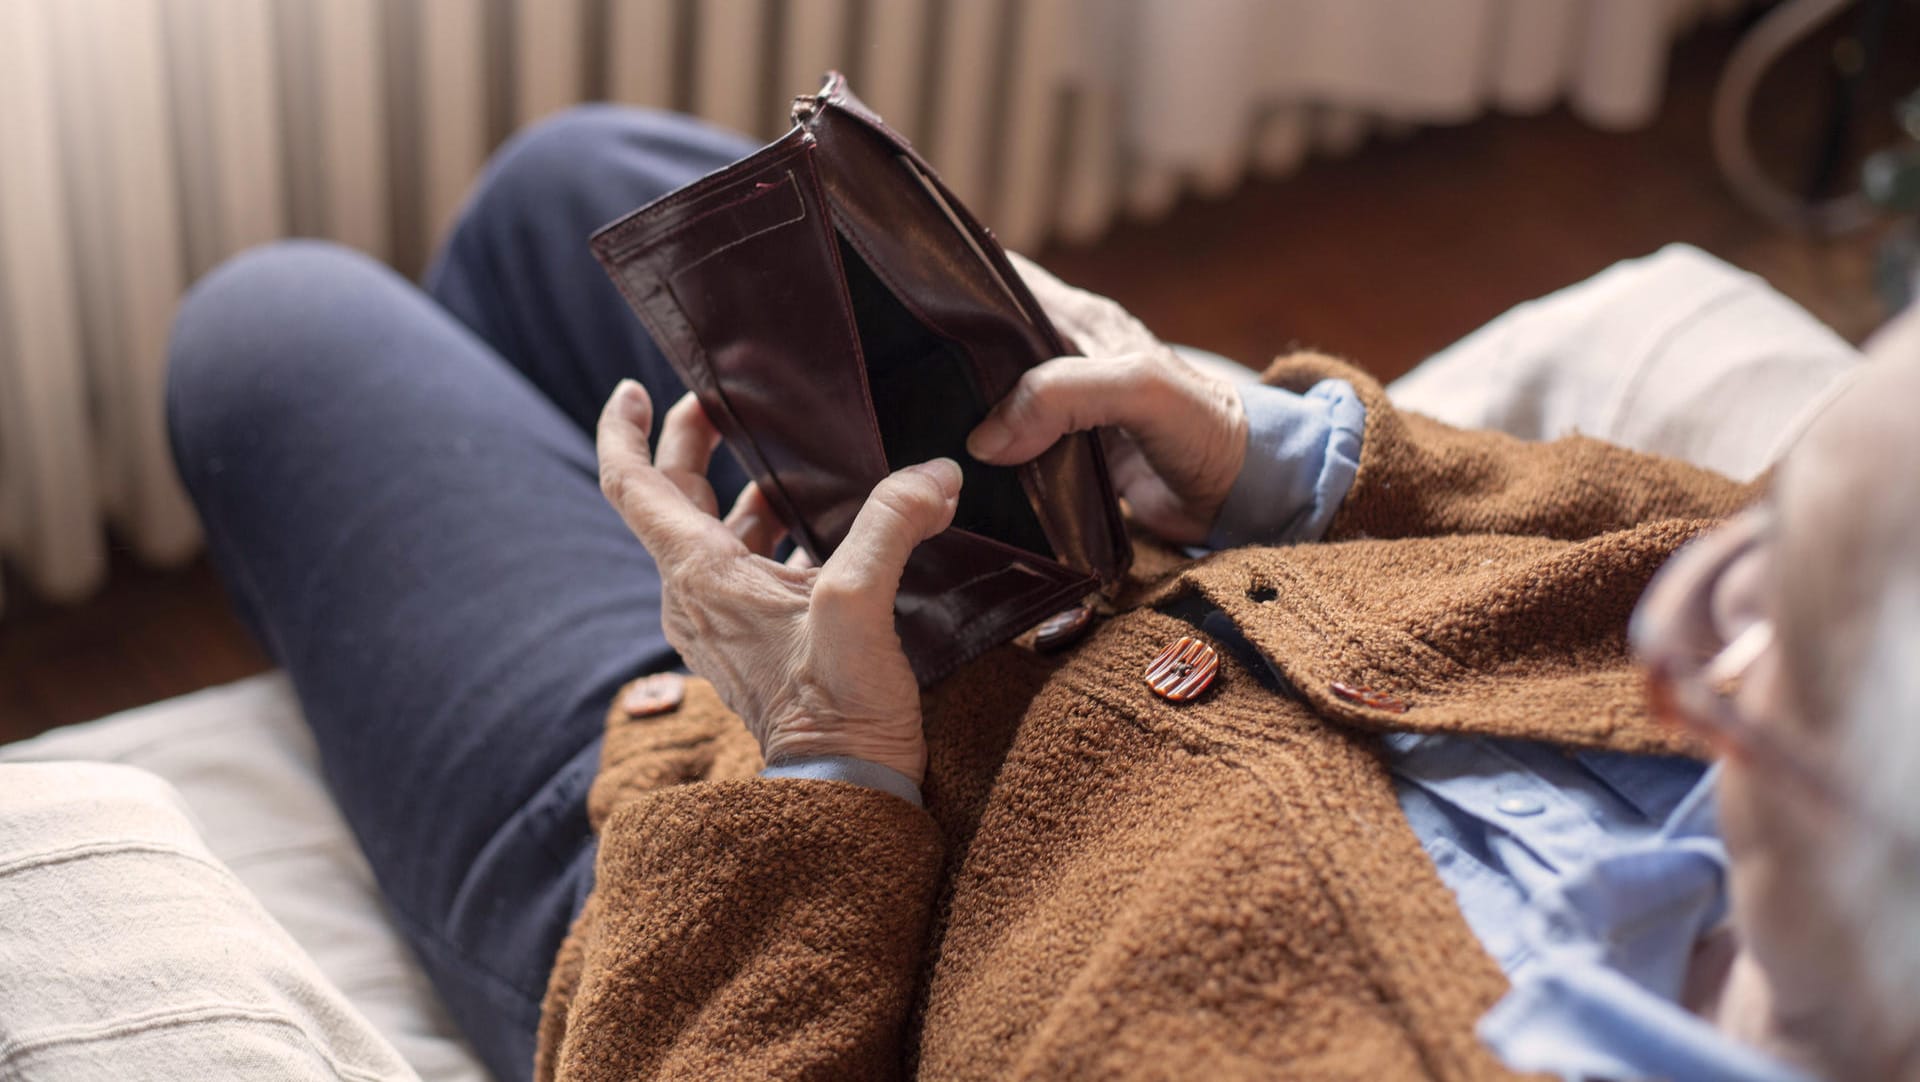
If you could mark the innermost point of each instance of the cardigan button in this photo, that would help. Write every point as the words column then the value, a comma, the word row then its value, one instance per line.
column 1063, row 629
column 1183, row 670
column 656, row 694
column 1368, row 697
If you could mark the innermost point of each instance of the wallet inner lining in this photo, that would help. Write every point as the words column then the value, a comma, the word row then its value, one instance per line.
column 926, row 400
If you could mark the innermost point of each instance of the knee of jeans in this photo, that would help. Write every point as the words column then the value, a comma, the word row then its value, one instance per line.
column 559, row 145
column 236, row 355
column 546, row 158
column 563, row 164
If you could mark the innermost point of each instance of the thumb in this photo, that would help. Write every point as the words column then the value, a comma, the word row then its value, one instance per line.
column 863, row 575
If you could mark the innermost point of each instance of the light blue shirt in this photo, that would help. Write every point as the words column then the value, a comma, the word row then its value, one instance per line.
column 1506, row 820
column 1608, row 948
column 1587, row 875
column 1302, row 453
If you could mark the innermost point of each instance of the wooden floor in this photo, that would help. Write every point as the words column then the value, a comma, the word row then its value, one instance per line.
column 1385, row 257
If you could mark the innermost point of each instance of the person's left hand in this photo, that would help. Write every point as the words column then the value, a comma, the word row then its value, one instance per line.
column 807, row 657
column 1175, row 436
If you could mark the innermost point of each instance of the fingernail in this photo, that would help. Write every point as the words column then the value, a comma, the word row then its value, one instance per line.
column 989, row 439
column 945, row 473
column 631, row 400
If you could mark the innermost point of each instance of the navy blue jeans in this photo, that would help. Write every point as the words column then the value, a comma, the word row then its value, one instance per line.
column 399, row 490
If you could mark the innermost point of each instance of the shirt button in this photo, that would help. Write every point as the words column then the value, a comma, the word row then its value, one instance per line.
column 1183, row 670
column 1520, row 806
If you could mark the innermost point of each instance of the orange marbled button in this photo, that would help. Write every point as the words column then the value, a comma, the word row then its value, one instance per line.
column 1183, row 670
column 654, row 694
column 1364, row 696
column 1063, row 629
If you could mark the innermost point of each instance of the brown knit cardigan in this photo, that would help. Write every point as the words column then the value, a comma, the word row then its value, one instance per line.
column 1105, row 884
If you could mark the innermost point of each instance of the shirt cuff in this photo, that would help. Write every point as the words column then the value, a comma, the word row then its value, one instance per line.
column 1302, row 453
column 848, row 769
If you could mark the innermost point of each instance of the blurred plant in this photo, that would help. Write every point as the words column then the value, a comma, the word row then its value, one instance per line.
column 1891, row 180
column 1853, row 58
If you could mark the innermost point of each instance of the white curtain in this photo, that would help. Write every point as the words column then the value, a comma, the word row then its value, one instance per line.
column 145, row 140
column 1205, row 90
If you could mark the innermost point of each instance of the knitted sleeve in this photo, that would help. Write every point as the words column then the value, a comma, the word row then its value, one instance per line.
column 759, row 928
column 1420, row 477
column 739, row 926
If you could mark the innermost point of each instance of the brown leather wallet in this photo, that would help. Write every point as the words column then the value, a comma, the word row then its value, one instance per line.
column 840, row 315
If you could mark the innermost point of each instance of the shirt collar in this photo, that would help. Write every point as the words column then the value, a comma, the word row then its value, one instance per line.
column 1611, row 945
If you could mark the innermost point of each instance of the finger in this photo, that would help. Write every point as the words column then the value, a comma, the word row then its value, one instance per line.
column 1127, row 466
column 1099, row 325
column 655, row 509
column 687, row 438
column 800, row 560
column 1040, row 281
column 863, row 574
column 697, row 489
column 1162, row 512
column 687, row 442
column 1070, row 394
column 754, row 521
column 1067, row 308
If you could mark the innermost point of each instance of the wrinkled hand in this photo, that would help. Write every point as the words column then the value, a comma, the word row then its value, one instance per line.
column 806, row 656
column 1178, row 436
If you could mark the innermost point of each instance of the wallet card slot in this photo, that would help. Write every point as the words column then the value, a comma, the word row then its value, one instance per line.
column 771, row 205
column 656, row 223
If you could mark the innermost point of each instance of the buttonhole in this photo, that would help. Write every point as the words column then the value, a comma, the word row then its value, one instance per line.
column 1262, row 593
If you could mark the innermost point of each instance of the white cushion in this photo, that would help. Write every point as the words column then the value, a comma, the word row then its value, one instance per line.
column 130, row 951
column 1676, row 353
column 242, row 759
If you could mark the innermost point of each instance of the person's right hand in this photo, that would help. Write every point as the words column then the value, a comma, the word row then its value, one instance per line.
column 808, row 657
column 1181, row 433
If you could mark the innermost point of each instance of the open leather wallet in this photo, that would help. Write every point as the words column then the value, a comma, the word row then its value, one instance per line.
column 840, row 315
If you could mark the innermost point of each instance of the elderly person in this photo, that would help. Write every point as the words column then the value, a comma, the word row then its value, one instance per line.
column 1422, row 824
